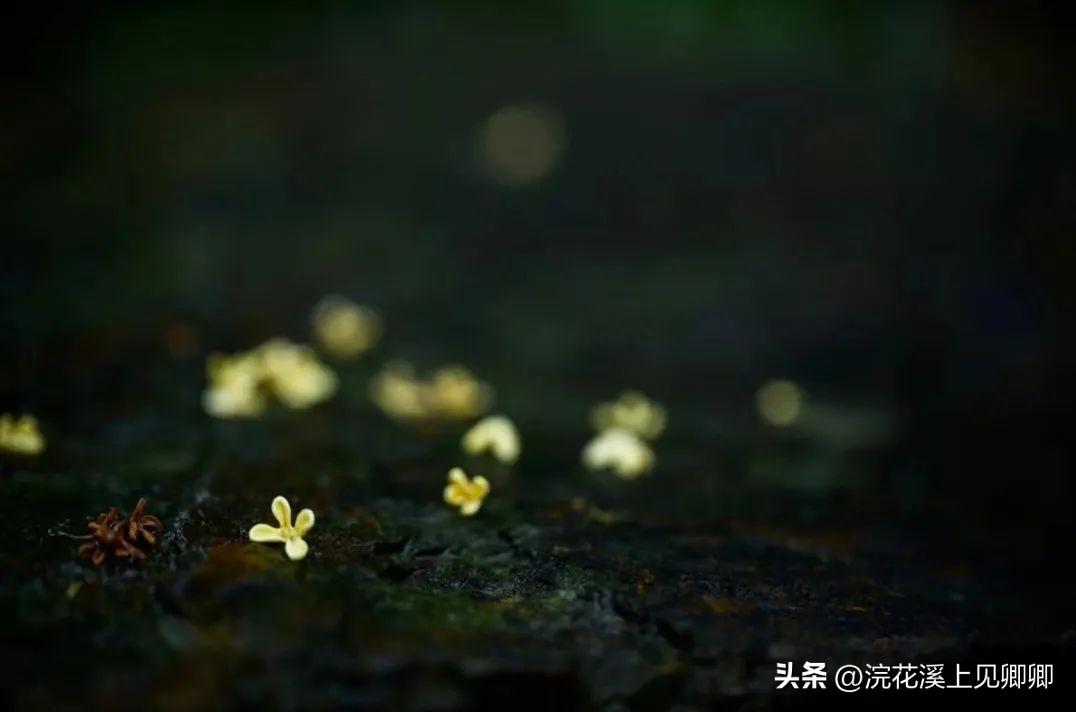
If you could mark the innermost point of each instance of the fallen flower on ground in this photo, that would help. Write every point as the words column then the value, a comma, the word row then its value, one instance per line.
column 240, row 384
column 457, row 395
column 235, row 389
column 451, row 394
column 495, row 434
column 631, row 411
column 291, row 536
column 621, row 451
column 295, row 375
column 466, row 493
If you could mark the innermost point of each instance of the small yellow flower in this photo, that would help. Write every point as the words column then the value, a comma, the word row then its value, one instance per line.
column 495, row 434
column 21, row 435
column 631, row 411
column 397, row 392
column 294, row 374
column 344, row 329
column 291, row 536
column 451, row 394
column 621, row 451
column 458, row 395
column 239, row 385
column 235, row 389
column 467, row 494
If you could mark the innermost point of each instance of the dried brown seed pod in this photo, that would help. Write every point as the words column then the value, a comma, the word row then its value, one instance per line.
column 142, row 527
column 122, row 538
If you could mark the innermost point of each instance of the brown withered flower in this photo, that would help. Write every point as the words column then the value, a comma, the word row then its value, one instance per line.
column 127, row 538
column 143, row 528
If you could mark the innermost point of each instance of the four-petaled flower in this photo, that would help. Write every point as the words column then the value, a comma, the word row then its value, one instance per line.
column 20, row 435
column 466, row 493
column 495, row 434
column 290, row 536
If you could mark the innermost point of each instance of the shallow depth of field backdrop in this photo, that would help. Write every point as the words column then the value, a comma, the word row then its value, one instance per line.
column 876, row 201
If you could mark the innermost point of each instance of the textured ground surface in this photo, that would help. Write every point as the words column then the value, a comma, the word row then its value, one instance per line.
column 569, row 588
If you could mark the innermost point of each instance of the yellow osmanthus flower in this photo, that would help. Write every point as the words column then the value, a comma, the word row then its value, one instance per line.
column 344, row 329
column 287, row 534
column 620, row 450
column 295, row 375
column 458, row 395
column 21, row 435
column 631, row 411
column 452, row 393
column 495, row 434
column 397, row 392
column 466, row 493
column 240, row 384
column 235, row 386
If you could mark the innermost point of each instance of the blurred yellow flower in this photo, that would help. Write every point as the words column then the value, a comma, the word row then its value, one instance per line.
column 621, row 451
column 631, row 411
column 397, row 392
column 239, row 385
column 21, row 435
column 495, row 434
column 295, row 375
column 457, row 395
column 523, row 143
column 235, row 389
column 344, row 329
column 290, row 536
column 779, row 402
column 451, row 394
column 467, row 494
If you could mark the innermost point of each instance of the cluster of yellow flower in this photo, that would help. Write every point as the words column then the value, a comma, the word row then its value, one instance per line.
column 624, row 426
column 241, row 385
column 451, row 393
column 21, row 435
column 495, row 435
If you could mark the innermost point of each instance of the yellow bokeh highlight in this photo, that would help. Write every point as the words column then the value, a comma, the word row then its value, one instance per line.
column 779, row 402
column 522, row 144
column 21, row 435
column 345, row 330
